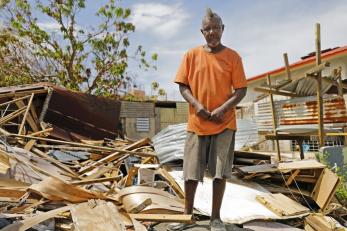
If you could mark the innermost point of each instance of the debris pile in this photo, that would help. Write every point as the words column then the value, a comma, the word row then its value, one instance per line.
column 63, row 176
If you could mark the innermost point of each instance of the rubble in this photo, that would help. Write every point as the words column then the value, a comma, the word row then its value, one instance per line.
column 68, row 178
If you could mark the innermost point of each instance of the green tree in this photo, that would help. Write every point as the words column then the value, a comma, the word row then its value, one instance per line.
column 162, row 92
column 154, row 87
column 93, row 59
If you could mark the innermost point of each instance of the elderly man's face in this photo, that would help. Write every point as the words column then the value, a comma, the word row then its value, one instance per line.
column 212, row 30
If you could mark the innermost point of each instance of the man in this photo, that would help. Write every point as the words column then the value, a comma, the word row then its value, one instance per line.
column 212, row 80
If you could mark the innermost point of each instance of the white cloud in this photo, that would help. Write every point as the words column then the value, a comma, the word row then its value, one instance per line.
column 163, row 20
column 49, row 26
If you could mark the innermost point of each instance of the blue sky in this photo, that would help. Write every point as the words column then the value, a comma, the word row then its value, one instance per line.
column 259, row 30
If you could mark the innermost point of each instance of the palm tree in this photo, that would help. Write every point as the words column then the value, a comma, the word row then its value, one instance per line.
column 155, row 86
column 162, row 92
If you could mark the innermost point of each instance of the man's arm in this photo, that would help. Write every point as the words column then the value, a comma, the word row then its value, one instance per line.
column 188, row 96
column 218, row 114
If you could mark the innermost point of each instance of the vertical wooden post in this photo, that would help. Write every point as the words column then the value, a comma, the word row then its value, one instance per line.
column 20, row 130
column 319, row 88
column 274, row 121
column 286, row 63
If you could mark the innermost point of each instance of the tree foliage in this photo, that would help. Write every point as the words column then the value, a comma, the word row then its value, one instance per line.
column 93, row 59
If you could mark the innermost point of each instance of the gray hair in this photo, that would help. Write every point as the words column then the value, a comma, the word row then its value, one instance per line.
column 210, row 15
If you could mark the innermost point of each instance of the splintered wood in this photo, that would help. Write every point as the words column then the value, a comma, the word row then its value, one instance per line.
column 114, row 184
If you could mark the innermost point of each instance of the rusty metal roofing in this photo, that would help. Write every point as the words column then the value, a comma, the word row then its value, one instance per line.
column 73, row 115
column 301, row 111
column 306, row 87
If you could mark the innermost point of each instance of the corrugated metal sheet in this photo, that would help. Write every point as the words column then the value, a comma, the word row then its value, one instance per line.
column 167, row 115
column 82, row 115
column 137, row 109
column 182, row 108
column 300, row 111
column 306, row 87
column 73, row 115
column 169, row 143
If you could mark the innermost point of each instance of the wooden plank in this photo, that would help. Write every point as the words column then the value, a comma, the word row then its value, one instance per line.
column 275, row 92
column 286, row 64
column 12, row 115
column 14, row 100
column 318, row 68
column 32, row 123
column 55, row 162
column 99, row 180
column 325, row 188
column 131, row 174
column 115, row 155
column 42, row 132
column 300, row 164
column 182, row 218
column 281, row 204
column 274, row 120
column 318, row 222
column 29, row 145
column 319, row 89
column 58, row 190
column 260, row 97
column 20, row 131
column 292, row 176
column 172, row 182
column 21, row 93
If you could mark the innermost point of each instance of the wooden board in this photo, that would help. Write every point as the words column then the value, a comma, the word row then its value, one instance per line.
column 282, row 205
column 325, row 188
column 96, row 216
column 301, row 164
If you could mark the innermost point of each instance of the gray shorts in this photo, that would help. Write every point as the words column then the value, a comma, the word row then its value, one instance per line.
column 214, row 152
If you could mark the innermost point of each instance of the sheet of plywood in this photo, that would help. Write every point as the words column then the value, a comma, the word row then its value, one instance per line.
column 325, row 188
column 300, row 164
column 281, row 204
column 158, row 203
column 146, row 189
column 96, row 216
column 55, row 189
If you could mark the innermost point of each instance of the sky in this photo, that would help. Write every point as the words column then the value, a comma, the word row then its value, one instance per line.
column 259, row 30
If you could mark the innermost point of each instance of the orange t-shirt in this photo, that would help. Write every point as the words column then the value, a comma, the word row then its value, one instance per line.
column 212, row 78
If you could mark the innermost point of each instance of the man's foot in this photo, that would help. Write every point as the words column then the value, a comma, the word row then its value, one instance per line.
column 217, row 225
column 179, row 226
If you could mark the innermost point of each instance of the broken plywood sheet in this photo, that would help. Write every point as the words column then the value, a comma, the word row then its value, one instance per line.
column 57, row 190
column 282, row 205
column 135, row 197
column 96, row 216
column 301, row 164
column 239, row 204
column 325, row 188
column 318, row 221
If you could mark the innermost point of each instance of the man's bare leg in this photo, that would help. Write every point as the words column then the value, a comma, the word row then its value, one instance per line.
column 189, row 190
column 217, row 197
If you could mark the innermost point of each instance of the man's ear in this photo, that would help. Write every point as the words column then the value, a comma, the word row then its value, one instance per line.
column 223, row 27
